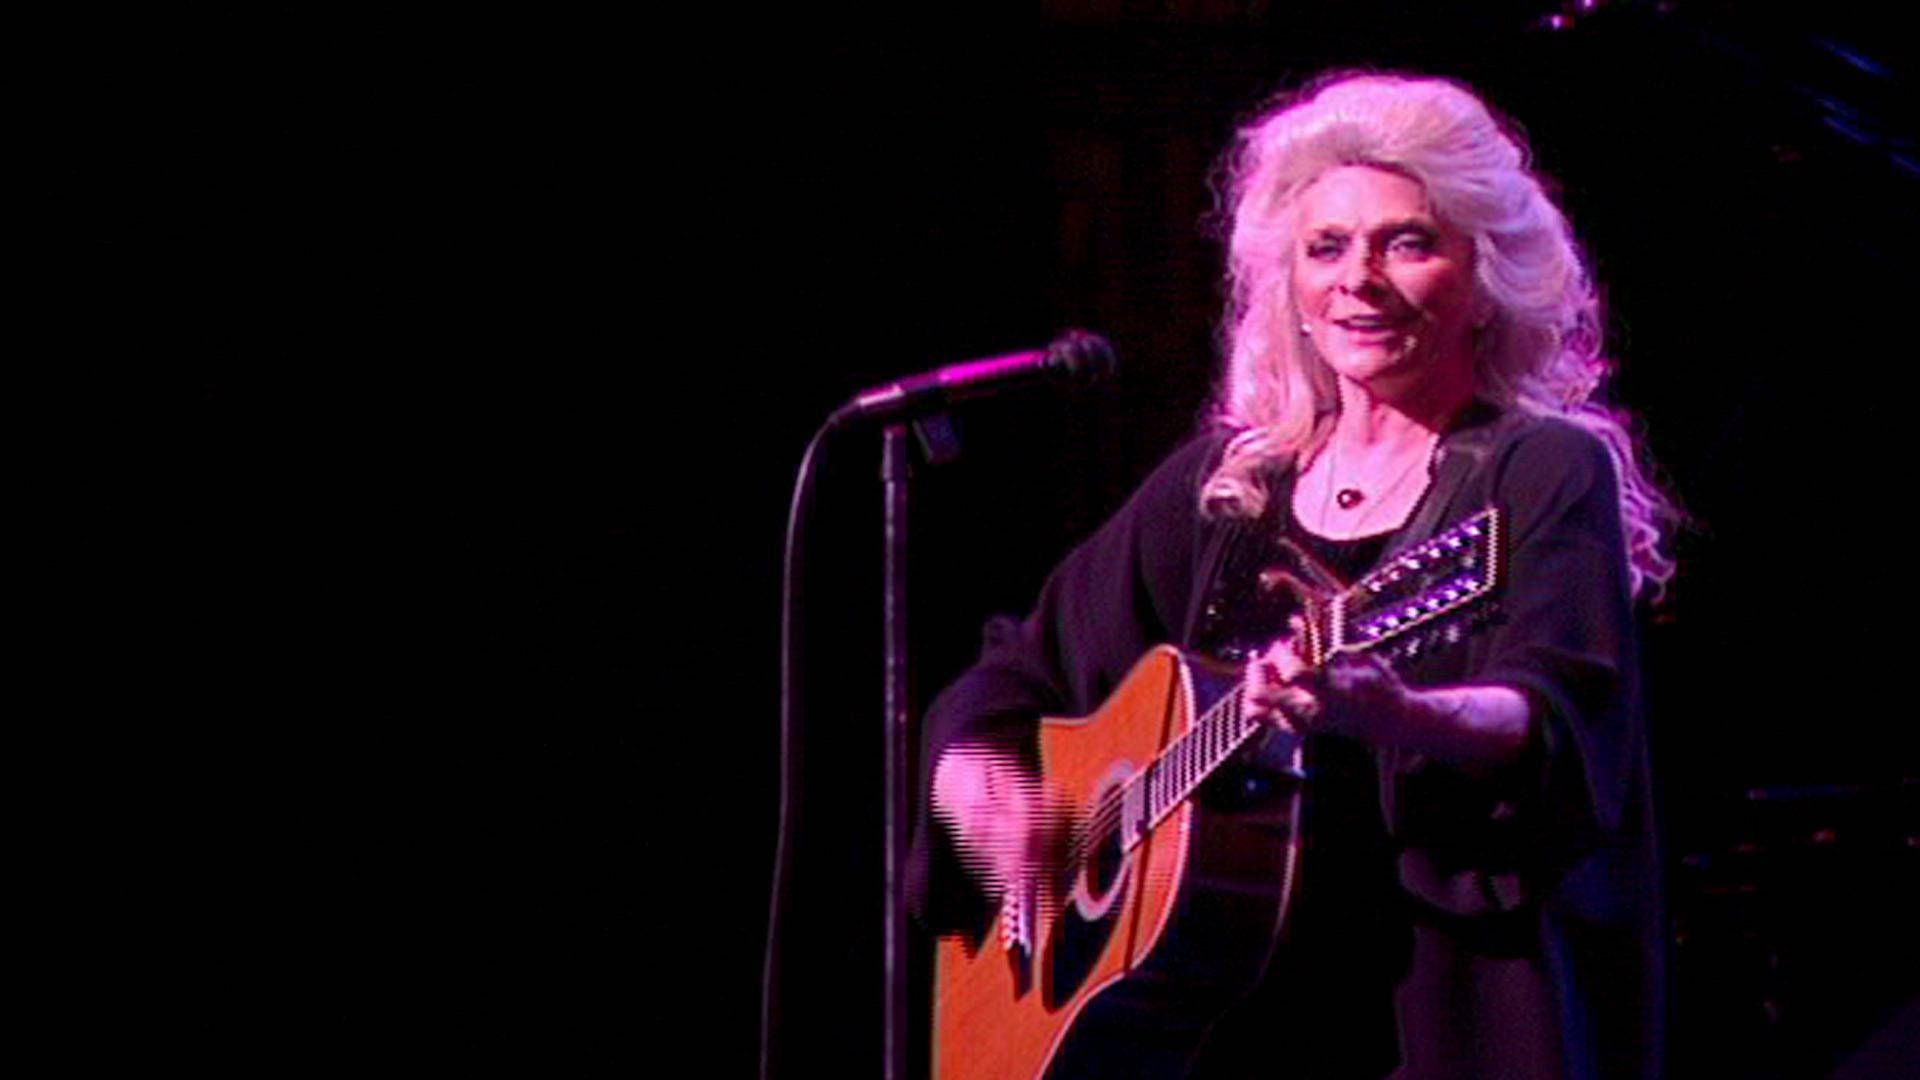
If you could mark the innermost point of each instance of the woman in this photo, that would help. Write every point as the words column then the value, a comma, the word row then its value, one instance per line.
column 1412, row 338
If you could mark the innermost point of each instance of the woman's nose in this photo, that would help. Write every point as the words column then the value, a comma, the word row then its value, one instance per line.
column 1359, row 274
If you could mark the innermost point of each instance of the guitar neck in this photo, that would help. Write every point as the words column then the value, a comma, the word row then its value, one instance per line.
column 1186, row 763
column 1403, row 609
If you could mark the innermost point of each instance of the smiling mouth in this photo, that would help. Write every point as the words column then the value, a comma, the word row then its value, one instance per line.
column 1368, row 324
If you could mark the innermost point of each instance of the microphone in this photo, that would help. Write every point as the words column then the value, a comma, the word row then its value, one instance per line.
column 1076, row 354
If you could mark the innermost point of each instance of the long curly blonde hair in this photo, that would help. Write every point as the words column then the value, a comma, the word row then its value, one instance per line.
column 1540, row 353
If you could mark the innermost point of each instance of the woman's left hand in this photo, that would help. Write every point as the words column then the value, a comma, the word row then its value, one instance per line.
column 1358, row 697
column 1362, row 698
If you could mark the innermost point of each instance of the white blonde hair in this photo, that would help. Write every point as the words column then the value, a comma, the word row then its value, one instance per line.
column 1541, row 351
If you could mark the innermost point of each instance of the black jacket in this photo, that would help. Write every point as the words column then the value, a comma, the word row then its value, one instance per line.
column 1530, row 941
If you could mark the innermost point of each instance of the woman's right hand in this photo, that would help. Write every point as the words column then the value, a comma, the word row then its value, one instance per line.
column 998, row 814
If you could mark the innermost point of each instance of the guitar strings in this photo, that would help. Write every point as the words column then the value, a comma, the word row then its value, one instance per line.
column 1186, row 761
column 1191, row 758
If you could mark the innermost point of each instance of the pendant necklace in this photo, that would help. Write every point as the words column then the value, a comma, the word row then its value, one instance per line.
column 1346, row 498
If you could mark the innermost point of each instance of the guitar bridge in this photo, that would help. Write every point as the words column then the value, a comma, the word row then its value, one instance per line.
column 1016, row 919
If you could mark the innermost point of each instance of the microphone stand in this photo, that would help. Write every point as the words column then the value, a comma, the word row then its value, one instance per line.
column 895, row 471
column 1076, row 353
column 941, row 444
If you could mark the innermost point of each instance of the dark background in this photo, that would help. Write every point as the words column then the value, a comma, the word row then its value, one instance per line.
column 450, row 378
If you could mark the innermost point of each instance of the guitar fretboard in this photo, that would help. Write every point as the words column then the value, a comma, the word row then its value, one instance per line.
column 1401, row 603
column 1185, row 764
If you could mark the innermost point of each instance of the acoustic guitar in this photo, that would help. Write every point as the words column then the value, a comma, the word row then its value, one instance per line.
column 1115, row 961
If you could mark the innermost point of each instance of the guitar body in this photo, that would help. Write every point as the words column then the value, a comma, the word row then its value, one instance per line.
column 1134, row 955
column 1177, row 878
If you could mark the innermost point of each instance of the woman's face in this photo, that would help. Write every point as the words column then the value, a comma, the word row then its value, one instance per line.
column 1384, row 287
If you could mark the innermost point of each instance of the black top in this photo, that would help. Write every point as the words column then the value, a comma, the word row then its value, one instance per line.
column 1518, row 925
column 1351, row 559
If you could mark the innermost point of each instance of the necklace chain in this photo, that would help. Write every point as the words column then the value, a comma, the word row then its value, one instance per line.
column 1349, row 497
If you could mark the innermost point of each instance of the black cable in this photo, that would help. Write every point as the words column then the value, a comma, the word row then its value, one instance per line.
column 789, row 711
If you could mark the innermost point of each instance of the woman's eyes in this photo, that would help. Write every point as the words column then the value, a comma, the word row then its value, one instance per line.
column 1411, row 243
column 1417, row 244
